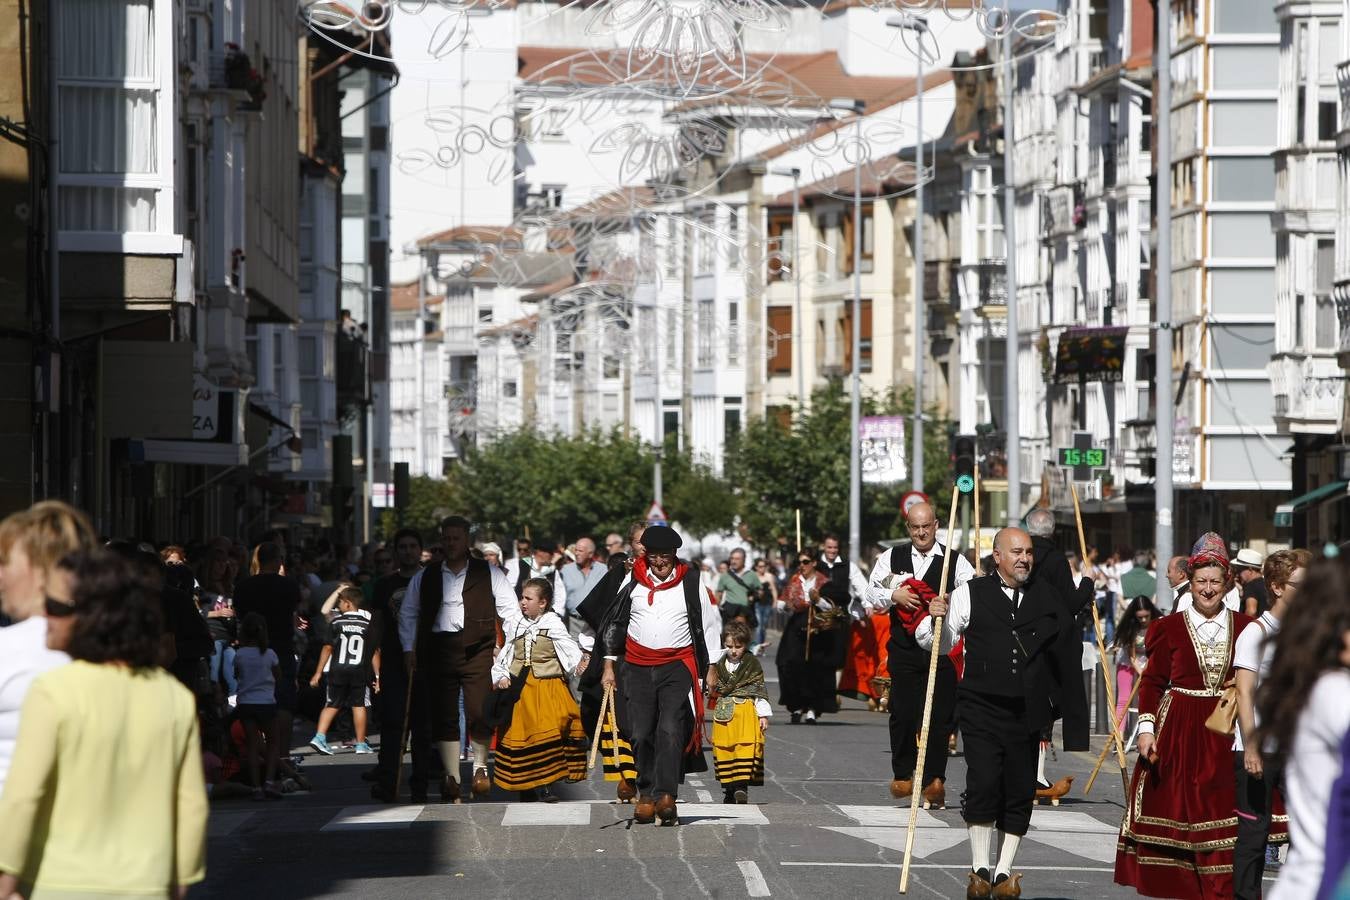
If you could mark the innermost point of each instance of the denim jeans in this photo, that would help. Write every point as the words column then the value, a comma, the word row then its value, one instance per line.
column 222, row 663
column 762, row 613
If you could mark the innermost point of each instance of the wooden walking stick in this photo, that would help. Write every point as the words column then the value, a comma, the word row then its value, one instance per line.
column 933, row 655
column 1101, row 651
column 407, row 729
column 614, row 731
column 975, row 495
column 600, row 726
column 1110, row 740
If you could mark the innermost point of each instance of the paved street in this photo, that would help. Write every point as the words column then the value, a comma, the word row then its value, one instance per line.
column 822, row 824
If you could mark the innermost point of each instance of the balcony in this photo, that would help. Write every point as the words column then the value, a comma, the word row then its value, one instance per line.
column 941, row 278
column 1309, row 392
column 1343, row 83
column 992, row 278
column 1343, row 319
column 1305, row 181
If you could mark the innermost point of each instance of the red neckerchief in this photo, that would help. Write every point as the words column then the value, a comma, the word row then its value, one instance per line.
column 644, row 578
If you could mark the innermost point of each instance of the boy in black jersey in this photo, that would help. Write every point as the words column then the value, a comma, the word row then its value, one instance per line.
column 352, row 657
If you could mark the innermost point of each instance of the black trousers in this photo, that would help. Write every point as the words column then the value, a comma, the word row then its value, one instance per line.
column 389, row 702
column 908, row 691
column 1253, row 826
column 1001, row 751
column 661, row 722
column 452, row 668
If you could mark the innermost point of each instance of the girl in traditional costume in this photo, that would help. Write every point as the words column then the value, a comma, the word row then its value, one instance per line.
column 544, row 741
column 740, row 716
column 1177, row 836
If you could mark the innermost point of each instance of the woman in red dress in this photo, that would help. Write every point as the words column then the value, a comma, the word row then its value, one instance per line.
column 1177, row 837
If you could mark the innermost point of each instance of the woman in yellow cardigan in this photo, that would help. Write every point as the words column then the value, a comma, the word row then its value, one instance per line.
column 105, row 796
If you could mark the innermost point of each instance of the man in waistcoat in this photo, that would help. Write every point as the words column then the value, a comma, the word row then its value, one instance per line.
column 1011, row 627
column 536, row 561
column 448, row 629
column 661, row 639
column 919, row 558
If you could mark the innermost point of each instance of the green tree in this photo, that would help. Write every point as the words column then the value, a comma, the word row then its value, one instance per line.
column 431, row 499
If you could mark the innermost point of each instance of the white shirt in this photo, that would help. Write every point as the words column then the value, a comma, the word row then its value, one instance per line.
column 664, row 623
column 451, row 614
column 857, row 584
column 1232, row 600
column 1207, row 630
column 548, row 625
column 1314, row 763
column 881, row 584
column 762, row 707
column 23, row 657
column 513, row 564
column 1254, row 651
column 958, row 616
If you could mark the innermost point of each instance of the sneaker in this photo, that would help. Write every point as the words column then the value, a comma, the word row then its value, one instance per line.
column 320, row 743
column 810, row 717
column 362, row 747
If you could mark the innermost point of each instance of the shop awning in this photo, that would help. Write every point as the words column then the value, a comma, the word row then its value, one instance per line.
column 1284, row 513
column 1090, row 354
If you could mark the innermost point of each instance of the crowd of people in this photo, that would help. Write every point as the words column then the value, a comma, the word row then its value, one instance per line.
column 138, row 684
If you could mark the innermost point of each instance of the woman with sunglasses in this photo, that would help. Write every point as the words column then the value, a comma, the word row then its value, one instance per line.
column 107, row 795
column 806, row 669
column 31, row 543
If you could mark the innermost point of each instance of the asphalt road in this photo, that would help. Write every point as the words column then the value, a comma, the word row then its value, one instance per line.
column 824, row 825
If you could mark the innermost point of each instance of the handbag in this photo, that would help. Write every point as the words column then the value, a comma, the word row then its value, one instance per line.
column 1224, row 717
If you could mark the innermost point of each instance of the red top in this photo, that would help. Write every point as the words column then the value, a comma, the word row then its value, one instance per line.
column 1174, row 661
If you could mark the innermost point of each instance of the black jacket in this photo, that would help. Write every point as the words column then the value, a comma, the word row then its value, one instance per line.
column 1051, row 568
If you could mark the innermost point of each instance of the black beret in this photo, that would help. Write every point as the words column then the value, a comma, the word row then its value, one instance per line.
column 661, row 538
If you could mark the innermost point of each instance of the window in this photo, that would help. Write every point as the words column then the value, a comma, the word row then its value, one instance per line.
column 508, row 388
column 733, row 238
column 1245, row 235
column 731, row 421
column 671, row 335
column 309, row 355
column 609, row 366
column 781, row 247
column 484, row 314
column 1244, row 17
column 1242, row 291
column 733, row 333
column 778, row 351
column 1326, row 120
column 1240, row 403
column 1245, row 68
column 704, row 356
column 1241, row 123
column 865, row 252
column 117, row 126
column 1300, row 304
column 1241, row 346
column 1326, row 331
column 704, row 244
column 670, row 422
column 1243, row 179
column 672, row 254
column 864, row 337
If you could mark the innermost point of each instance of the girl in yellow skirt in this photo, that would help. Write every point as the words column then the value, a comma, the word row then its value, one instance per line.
column 544, row 741
column 740, row 716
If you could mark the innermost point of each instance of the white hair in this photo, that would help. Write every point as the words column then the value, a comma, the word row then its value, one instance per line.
column 1041, row 523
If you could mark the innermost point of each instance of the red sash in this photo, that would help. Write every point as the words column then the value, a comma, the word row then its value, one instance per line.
column 638, row 655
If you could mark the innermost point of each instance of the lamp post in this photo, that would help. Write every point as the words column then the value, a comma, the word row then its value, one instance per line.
column 855, row 400
column 799, row 330
column 919, row 26
column 1162, row 276
column 1011, row 419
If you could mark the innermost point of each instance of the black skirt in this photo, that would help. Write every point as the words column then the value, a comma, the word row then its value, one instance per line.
column 809, row 683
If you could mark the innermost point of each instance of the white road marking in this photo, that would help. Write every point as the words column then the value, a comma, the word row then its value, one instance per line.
column 755, row 885
column 720, row 814
column 224, row 824
column 927, row 841
column 1096, row 846
column 891, row 816
column 370, row 818
column 704, row 796
column 833, row 864
column 547, row 814
column 1066, row 820
column 695, row 782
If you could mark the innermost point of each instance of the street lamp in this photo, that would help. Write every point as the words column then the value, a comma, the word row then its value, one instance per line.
column 798, row 327
column 855, row 405
column 919, row 26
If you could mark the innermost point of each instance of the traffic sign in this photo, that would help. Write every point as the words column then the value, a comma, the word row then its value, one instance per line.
column 655, row 514
column 912, row 499
column 1082, row 457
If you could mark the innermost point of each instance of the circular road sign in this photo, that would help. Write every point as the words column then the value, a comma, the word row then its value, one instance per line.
column 910, row 498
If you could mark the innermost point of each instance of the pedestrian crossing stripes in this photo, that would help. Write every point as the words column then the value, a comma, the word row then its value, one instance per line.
column 374, row 818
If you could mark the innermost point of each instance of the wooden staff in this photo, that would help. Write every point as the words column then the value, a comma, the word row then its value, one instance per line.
column 407, row 727
column 799, row 529
column 613, row 731
column 1111, row 740
column 600, row 726
column 933, row 655
column 1101, row 650
column 975, row 494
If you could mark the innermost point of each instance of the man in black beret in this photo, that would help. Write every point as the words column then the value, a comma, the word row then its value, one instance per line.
column 660, row 639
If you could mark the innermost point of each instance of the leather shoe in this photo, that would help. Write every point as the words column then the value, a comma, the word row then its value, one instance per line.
column 481, row 785
column 645, row 811
column 449, row 790
column 979, row 887
column 1008, row 885
column 665, row 809
column 382, row 792
column 935, row 795
column 902, row 788
column 626, row 791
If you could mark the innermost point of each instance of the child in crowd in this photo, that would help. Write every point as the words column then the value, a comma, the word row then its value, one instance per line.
column 256, row 670
column 740, row 716
column 352, row 658
column 544, row 741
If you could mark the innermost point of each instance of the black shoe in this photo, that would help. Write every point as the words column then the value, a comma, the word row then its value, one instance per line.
column 547, row 796
column 741, row 796
column 796, row 718
column 382, row 792
column 530, row 796
column 729, row 796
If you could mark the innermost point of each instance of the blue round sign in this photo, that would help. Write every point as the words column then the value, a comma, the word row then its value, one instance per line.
column 965, row 484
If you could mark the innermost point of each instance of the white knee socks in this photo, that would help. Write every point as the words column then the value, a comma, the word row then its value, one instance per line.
column 480, row 755
column 1040, row 768
column 1007, row 853
column 450, row 757
column 981, row 836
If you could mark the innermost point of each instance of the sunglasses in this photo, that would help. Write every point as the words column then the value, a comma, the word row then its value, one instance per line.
column 57, row 609
column 806, row 562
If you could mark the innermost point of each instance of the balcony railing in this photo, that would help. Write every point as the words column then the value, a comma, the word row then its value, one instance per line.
column 1308, row 390
column 993, row 282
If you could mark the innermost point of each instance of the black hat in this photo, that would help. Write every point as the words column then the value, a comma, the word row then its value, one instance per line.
column 660, row 538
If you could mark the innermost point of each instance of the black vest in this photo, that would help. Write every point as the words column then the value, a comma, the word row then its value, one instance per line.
column 837, row 591
column 614, row 630
column 903, row 652
column 1006, row 647
column 480, row 607
column 524, row 573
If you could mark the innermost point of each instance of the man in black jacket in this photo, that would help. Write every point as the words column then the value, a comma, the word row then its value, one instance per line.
column 1008, row 696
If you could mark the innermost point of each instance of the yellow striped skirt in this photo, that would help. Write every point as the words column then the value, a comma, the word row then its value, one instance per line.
column 626, row 768
column 738, row 747
column 545, row 742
